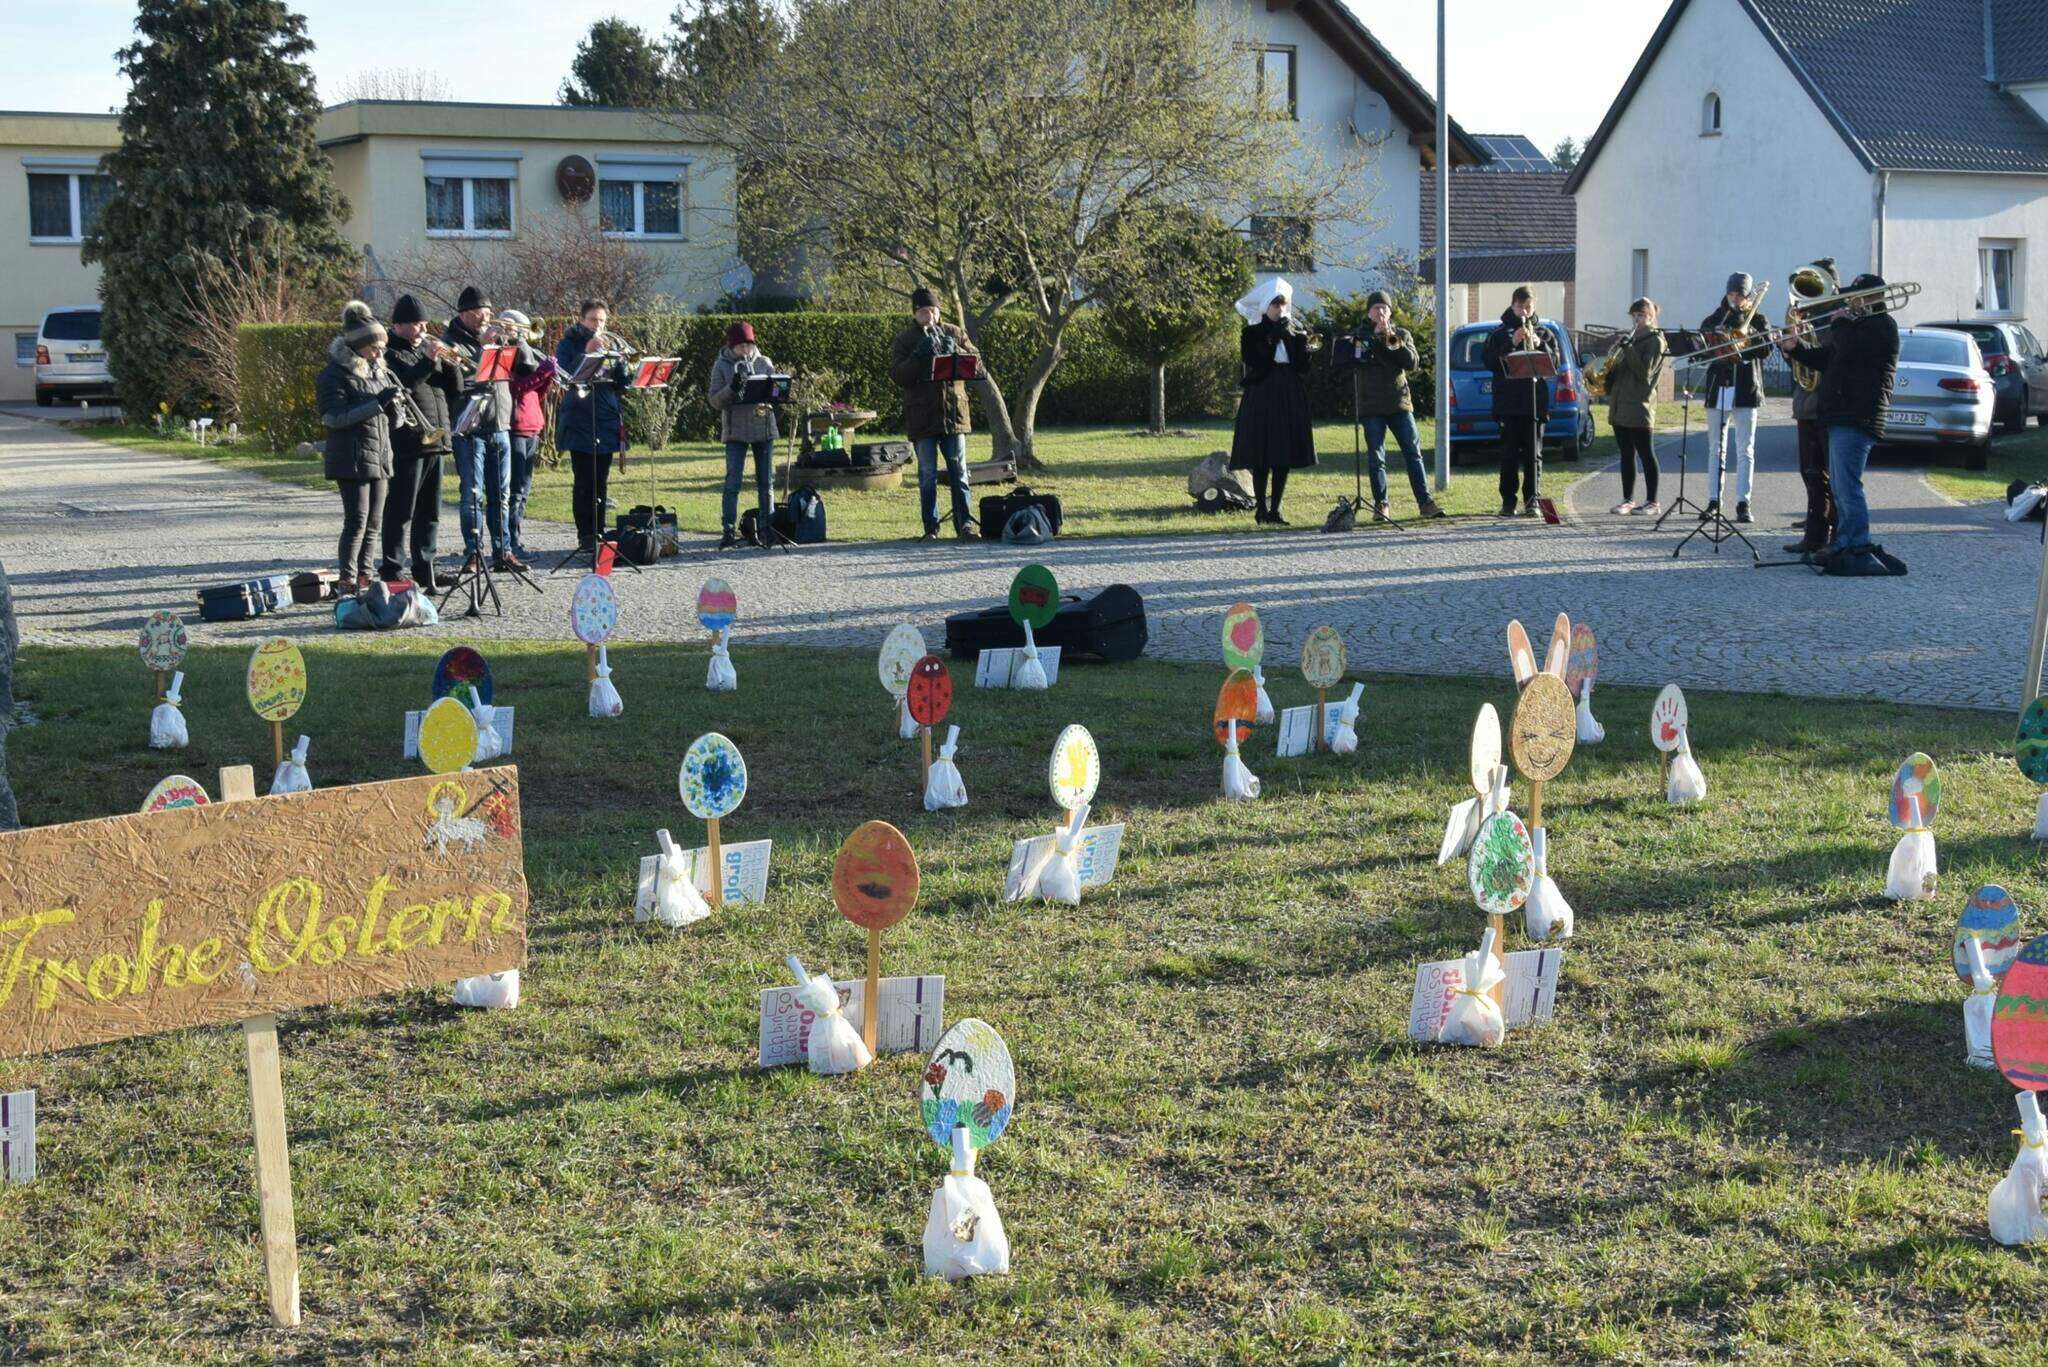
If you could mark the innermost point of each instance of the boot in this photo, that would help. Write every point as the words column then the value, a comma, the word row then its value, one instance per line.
column 423, row 575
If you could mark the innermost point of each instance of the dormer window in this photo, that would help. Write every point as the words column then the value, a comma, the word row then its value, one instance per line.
column 1710, row 115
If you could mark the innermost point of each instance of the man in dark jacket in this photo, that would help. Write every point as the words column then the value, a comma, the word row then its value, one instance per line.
column 412, row 504
column 1735, row 391
column 483, row 459
column 1857, row 367
column 1520, row 407
column 1386, row 355
column 935, row 413
column 590, row 423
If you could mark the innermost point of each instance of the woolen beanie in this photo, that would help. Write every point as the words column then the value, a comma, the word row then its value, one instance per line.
column 471, row 298
column 1738, row 283
column 359, row 326
column 922, row 298
column 738, row 332
column 408, row 310
column 1378, row 297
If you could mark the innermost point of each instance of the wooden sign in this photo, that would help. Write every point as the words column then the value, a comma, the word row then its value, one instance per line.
column 718, row 607
column 2019, row 1019
column 1558, row 656
column 133, row 925
column 1075, row 770
column 594, row 609
column 1034, row 597
column 1502, row 865
column 1322, row 658
column 1238, row 701
column 175, row 791
column 930, row 694
column 902, row 648
column 1916, row 793
column 1520, row 656
column 1992, row 919
column 464, row 675
column 1485, row 749
column 1668, row 719
column 969, row 1081
column 1244, row 637
column 447, row 736
column 874, row 883
column 1544, row 729
column 2031, row 747
column 277, row 680
column 162, row 641
column 713, row 780
column 1582, row 665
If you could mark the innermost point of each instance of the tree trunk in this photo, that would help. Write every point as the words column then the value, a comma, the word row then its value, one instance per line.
column 1158, row 398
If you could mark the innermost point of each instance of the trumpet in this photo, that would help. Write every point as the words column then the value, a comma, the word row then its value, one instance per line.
column 614, row 343
column 410, row 414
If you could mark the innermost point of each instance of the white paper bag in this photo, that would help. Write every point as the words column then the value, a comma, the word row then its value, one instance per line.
column 1060, row 879
column 676, row 899
column 719, row 677
column 1239, row 784
column 1687, row 784
column 1468, row 816
column 604, row 697
column 835, row 1046
column 489, row 991
column 2016, row 1200
column 1546, row 916
column 167, row 723
column 906, row 726
column 963, row 1235
column 943, row 787
column 2041, row 818
column 1475, row 1017
column 1977, row 1009
column 1591, row 732
column 489, row 744
column 1912, row 875
column 1264, row 716
column 291, row 776
column 1031, row 674
column 1346, row 739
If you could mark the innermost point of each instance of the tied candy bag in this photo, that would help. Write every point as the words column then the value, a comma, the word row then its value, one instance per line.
column 719, row 677
column 604, row 697
column 835, row 1046
column 1912, row 874
column 676, row 899
column 944, row 786
column 963, row 1235
column 906, row 725
column 1031, row 674
column 1060, row 879
column 489, row 744
column 1239, row 784
column 2016, row 1201
column 167, row 722
column 1687, row 783
column 1591, row 732
column 1346, row 740
column 1977, row 1009
column 1546, row 915
column 1474, row 1017
column 1264, row 716
column 489, row 991
column 291, row 776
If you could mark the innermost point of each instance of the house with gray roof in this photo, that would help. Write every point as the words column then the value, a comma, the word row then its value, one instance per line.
column 1908, row 137
column 1511, row 224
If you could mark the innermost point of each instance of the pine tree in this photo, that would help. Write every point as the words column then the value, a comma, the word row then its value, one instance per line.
column 616, row 64
column 217, row 167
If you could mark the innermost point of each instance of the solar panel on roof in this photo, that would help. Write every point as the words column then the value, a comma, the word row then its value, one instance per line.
column 1511, row 152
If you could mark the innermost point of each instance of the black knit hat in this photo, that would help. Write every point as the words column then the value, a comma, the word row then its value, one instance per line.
column 471, row 298
column 1378, row 297
column 1738, row 283
column 923, row 298
column 407, row 310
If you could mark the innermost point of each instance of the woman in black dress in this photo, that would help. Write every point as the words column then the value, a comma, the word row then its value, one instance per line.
column 1274, row 433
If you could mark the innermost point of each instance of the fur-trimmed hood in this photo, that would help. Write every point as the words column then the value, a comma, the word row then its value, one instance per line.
column 340, row 353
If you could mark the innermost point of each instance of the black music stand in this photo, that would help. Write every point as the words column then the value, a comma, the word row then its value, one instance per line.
column 1715, row 527
column 772, row 390
column 1538, row 366
column 480, row 585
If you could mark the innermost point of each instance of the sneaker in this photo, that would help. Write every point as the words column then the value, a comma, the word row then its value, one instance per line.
column 1711, row 511
column 967, row 531
column 1651, row 509
column 1429, row 509
column 1507, row 507
column 1380, row 513
column 1529, row 509
column 1742, row 511
column 1627, row 505
column 728, row 541
column 930, row 534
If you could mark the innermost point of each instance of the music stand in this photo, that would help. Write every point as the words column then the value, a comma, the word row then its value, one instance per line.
column 1357, row 499
column 481, row 584
column 1535, row 365
column 1715, row 527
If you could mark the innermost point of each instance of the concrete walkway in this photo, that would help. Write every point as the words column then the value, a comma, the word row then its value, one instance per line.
column 94, row 537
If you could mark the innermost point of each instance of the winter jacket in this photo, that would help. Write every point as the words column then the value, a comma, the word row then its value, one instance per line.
column 1518, row 398
column 931, row 408
column 436, row 386
column 1745, row 373
column 1632, row 380
column 358, row 432
column 593, row 421
column 1857, row 368
column 1383, row 368
column 1257, row 343
column 529, row 391
column 497, row 415
column 740, row 421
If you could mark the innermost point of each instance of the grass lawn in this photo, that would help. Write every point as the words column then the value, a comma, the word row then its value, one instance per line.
column 1749, row 1131
column 2022, row 455
column 1111, row 481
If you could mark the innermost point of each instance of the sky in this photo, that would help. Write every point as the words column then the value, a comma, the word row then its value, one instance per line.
column 1544, row 68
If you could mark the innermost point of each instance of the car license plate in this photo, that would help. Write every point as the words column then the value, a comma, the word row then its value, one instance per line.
column 88, row 355
column 1907, row 419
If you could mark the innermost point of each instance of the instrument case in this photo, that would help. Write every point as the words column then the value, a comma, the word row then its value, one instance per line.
column 996, row 510
column 250, row 598
column 1109, row 626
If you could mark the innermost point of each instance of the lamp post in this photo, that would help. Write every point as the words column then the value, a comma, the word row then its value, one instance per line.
column 1443, row 263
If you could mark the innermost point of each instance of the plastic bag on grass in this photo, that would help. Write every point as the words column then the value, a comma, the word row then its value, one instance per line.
column 489, row 991
column 2016, row 1200
column 1031, row 674
column 1591, row 732
column 604, row 696
column 1977, row 1008
column 1475, row 1018
column 1239, row 784
column 835, row 1046
column 1264, row 716
column 167, row 722
column 1687, row 783
column 489, row 744
column 963, row 1235
column 291, row 776
column 943, row 787
column 1346, row 740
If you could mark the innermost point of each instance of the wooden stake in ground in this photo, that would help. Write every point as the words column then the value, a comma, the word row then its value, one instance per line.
column 713, row 782
column 590, row 664
column 1322, row 665
column 160, row 685
column 929, row 697
column 875, row 881
column 276, row 686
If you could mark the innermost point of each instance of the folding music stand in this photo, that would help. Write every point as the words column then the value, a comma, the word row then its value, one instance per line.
column 480, row 585
column 1357, row 499
column 1712, row 525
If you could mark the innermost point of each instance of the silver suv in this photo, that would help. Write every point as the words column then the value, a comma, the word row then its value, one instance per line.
column 70, row 362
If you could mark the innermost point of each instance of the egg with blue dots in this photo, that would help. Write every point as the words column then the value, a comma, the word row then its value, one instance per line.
column 2031, row 746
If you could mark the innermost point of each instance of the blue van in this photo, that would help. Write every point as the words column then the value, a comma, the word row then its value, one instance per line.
column 1570, row 428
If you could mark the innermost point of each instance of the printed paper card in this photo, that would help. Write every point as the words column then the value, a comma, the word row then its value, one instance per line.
column 746, row 874
column 1095, row 855
column 1529, row 993
column 18, row 1136
column 501, row 722
column 997, row 667
column 1297, row 724
column 912, row 1020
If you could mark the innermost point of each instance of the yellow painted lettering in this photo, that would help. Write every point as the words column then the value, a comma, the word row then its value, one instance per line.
column 403, row 925
column 334, row 943
column 366, row 943
column 112, row 965
column 20, row 967
column 56, row 972
column 276, row 907
column 501, row 919
column 195, row 962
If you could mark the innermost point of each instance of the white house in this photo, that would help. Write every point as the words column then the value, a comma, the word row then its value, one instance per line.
column 1908, row 137
column 1316, row 62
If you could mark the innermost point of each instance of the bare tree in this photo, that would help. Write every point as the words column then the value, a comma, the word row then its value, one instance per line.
column 393, row 83
column 253, row 283
column 556, row 261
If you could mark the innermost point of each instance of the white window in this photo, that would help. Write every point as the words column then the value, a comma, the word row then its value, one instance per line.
column 1998, row 274
column 470, row 194
column 63, row 206
column 1273, row 79
column 1710, row 115
column 24, row 348
column 1639, row 274
column 641, row 198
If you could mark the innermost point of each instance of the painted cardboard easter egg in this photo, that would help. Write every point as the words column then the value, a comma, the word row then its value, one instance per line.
column 1992, row 919
column 969, row 1080
column 2019, row 1018
column 1916, row 793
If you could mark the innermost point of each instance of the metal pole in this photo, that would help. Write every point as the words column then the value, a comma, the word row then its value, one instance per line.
column 1443, row 263
column 2037, row 644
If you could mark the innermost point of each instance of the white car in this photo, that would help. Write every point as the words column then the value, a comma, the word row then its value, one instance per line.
column 1943, row 394
column 70, row 361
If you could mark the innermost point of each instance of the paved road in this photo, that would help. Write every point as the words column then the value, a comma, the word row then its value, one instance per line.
column 94, row 537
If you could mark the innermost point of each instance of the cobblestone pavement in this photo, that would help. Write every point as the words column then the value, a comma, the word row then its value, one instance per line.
column 94, row 537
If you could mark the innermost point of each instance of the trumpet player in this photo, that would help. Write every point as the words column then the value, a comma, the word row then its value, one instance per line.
column 590, row 424
column 935, row 413
column 1631, row 389
column 1858, row 364
column 483, row 455
column 1735, row 390
column 1520, row 407
column 1274, row 434
column 428, row 371
column 529, row 416
column 357, row 399
column 1384, row 404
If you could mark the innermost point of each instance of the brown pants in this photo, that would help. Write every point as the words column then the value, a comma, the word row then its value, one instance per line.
column 1813, row 471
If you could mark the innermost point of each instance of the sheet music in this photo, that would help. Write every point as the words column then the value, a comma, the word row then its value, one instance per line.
column 18, row 1136
column 913, row 1017
column 997, row 666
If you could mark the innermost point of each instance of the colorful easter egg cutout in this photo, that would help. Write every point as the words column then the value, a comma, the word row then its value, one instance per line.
column 1034, row 597
column 1582, row 666
column 2031, row 748
column 1544, row 729
column 1992, row 919
column 1322, row 658
column 1668, row 718
column 1075, row 770
column 969, row 1081
column 1238, row 701
column 718, row 607
column 447, row 736
column 2019, row 1018
column 1485, row 748
column 162, row 641
column 1916, row 793
column 277, row 679
column 594, row 609
column 875, row 877
column 1502, row 865
column 931, row 691
column 464, row 675
column 902, row 648
column 175, row 791
column 713, row 780
column 1244, row 637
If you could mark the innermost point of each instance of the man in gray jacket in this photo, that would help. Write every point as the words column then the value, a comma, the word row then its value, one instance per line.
column 747, row 428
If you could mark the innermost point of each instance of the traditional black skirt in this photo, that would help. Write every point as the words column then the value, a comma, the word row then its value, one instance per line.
column 1274, row 431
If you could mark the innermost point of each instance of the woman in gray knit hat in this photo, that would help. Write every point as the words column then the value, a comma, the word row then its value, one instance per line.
column 357, row 398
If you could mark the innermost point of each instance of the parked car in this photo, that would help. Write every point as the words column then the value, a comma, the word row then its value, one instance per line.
column 70, row 362
column 1569, row 429
column 2018, row 367
column 1943, row 393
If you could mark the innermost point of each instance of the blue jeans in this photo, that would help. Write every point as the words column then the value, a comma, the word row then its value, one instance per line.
column 524, row 449
column 483, row 466
column 929, row 449
column 1402, row 425
column 736, row 453
column 1848, row 453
